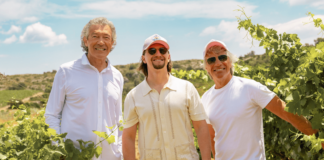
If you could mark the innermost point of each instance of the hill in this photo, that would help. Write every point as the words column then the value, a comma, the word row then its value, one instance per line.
column 132, row 77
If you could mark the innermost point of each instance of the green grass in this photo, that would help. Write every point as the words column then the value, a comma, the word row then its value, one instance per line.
column 6, row 95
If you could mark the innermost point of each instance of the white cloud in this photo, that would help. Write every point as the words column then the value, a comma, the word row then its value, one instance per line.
column 27, row 10
column 208, row 31
column 29, row 19
column 307, row 33
column 3, row 55
column 39, row 33
column 10, row 40
column 13, row 29
column 188, row 9
column 227, row 32
column 17, row 9
column 314, row 3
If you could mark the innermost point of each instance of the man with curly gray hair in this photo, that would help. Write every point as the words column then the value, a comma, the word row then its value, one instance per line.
column 87, row 93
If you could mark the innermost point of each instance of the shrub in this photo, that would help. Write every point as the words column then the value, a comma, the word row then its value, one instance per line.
column 176, row 65
column 132, row 66
column 48, row 89
column 45, row 95
column 14, row 103
column 189, row 68
column 19, row 86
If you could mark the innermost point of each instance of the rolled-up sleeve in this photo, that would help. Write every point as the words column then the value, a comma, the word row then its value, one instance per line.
column 196, row 109
column 53, row 113
column 130, row 115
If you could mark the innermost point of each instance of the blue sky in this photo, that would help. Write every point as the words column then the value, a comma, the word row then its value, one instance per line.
column 38, row 35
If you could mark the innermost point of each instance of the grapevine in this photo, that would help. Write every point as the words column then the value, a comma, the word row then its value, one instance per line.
column 296, row 76
column 31, row 138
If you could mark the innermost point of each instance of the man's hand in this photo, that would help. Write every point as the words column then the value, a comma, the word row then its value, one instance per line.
column 202, row 132
column 277, row 107
column 128, row 140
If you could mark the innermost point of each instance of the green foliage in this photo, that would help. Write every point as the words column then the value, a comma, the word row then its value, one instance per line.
column 33, row 105
column 14, row 103
column 48, row 89
column 31, row 138
column 192, row 75
column 132, row 66
column 296, row 75
column 318, row 23
column 250, row 59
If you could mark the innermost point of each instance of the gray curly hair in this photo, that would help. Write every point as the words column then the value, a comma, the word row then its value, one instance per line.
column 217, row 49
column 100, row 21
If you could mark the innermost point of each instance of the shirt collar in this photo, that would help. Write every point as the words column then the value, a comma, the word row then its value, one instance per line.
column 170, row 84
column 85, row 61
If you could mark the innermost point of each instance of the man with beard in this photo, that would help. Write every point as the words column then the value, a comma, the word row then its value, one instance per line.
column 87, row 93
column 163, row 107
column 234, row 107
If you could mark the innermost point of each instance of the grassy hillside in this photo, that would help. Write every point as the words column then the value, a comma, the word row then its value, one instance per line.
column 6, row 95
column 32, row 83
column 27, row 81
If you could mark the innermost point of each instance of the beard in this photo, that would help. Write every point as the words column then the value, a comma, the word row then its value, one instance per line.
column 158, row 66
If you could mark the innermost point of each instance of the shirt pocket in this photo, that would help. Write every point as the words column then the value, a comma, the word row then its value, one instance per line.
column 186, row 152
column 153, row 154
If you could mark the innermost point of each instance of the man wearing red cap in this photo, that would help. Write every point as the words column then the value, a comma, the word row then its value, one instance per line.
column 234, row 107
column 163, row 107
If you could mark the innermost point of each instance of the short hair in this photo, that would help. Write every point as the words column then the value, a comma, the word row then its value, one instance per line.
column 96, row 21
column 143, row 67
column 217, row 49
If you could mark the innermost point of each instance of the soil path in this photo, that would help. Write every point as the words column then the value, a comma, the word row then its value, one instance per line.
column 24, row 100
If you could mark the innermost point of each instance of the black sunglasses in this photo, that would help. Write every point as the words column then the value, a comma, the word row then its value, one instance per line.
column 221, row 58
column 162, row 50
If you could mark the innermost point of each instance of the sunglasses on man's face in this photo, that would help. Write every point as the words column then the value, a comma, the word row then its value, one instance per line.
column 162, row 50
column 221, row 58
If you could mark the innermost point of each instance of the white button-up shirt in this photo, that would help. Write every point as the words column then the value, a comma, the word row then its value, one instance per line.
column 83, row 100
column 164, row 119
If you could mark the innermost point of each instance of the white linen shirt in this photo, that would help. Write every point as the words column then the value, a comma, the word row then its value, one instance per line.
column 164, row 120
column 83, row 100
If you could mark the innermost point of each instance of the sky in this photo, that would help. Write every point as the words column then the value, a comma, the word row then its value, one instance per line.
column 37, row 36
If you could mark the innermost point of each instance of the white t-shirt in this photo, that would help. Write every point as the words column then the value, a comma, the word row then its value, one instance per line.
column 235, row 112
